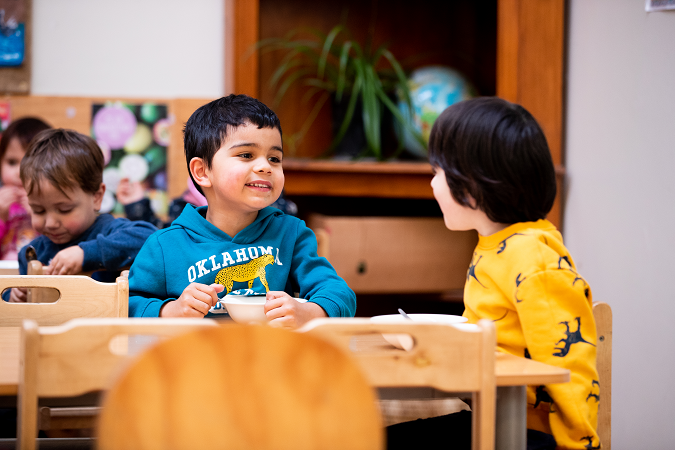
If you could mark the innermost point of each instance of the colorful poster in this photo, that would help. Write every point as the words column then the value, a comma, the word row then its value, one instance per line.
column 134, row 138
column 12, row 32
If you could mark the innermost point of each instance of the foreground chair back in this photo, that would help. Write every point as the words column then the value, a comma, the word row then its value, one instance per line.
column 603, row 323
column 78, row 357
column 445, row 357
column 242, row 387
column 80, row 297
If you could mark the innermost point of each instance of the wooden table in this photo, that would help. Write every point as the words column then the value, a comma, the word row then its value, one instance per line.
column 513, row 374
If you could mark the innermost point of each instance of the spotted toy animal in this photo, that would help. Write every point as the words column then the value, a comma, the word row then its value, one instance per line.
column 245, row 272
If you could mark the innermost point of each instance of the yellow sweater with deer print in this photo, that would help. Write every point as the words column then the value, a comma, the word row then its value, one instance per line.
column 523, row 278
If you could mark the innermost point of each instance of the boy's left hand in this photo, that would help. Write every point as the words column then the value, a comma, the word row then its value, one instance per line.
column 283, row 311
column 66, row 262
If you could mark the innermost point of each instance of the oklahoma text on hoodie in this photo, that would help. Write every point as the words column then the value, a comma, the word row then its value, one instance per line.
column 276, row 252
column 524, row 279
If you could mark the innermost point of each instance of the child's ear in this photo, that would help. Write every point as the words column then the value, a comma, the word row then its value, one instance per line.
column 198, row 171
column 98, row 196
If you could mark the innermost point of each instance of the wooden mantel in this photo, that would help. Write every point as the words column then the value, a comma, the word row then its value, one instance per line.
column 358, row 178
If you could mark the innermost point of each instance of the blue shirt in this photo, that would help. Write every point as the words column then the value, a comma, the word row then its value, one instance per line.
column 192, row 250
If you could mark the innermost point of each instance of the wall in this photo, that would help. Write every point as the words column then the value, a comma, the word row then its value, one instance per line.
column 620, row 209
column 128, row 48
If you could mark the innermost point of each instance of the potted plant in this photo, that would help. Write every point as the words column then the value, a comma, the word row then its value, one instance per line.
column 363, row 80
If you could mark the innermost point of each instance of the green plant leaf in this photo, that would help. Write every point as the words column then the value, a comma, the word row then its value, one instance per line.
column 342, row 72
column 371, row 111
column 349, row 114
column 288, row 81
column 328, row 43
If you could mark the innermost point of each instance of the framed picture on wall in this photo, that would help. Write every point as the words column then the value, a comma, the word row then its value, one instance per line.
column 15, row 46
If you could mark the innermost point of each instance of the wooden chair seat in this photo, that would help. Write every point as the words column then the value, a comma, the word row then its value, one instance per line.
column 242, row 387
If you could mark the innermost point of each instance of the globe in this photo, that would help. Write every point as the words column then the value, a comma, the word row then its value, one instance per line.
column 432, row 89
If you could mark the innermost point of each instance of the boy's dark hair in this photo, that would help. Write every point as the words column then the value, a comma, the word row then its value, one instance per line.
column 495, row 151
column 66, row 159
column 207, row 127
column 24, row 130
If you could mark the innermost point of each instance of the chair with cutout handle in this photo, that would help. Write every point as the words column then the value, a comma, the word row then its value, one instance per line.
column 602, row 313
column 446, row 357
column 81, row 356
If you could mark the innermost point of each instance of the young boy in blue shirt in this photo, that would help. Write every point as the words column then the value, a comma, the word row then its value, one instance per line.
column 238, row 242
column 494, row 174
column 62, row 173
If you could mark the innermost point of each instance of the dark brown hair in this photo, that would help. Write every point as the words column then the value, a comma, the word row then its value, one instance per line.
column 24, row 130
column 207, row 127
column 66, row 159
column 495, row 151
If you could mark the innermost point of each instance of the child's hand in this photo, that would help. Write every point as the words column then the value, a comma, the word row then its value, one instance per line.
column 129, row 192
column 195, row 301
column 8, row 195
column 22, row 199
column 18, row 295
column 66, row 262
column 284, row 311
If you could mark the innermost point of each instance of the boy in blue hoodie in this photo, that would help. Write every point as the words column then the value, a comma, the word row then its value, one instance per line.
column 62, row 173
column 238, row 242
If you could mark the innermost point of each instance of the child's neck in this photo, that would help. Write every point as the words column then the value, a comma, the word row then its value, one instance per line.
column 487, row 227
column 229, row 223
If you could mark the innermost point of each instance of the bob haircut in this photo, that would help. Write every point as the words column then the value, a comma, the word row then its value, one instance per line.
column 495, row 152
column 65, row 158
column 207, row 128
column 24, row 130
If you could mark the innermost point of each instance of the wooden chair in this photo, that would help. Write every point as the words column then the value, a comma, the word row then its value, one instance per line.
column 242, row 387
column 80, row 296
column 448, row 358
column 77, row 357
column 603, row 323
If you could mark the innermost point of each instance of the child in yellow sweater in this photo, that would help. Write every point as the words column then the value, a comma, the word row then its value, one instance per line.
column 494, row 174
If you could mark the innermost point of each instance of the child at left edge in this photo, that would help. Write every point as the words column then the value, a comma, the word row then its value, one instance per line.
column 62, row 173
column 237, row 242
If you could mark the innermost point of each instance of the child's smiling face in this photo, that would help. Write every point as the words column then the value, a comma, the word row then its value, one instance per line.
column 246, row 174
column 63, row 217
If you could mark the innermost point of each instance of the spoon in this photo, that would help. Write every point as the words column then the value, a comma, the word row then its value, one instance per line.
column 404, row 314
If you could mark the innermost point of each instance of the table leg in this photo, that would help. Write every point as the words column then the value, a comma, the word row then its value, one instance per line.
column 511, row 418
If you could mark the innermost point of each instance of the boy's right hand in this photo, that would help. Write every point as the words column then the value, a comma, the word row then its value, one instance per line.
column 195, row 301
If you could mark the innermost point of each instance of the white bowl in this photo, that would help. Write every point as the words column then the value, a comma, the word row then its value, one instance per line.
column 245, row 309
column 405, row 341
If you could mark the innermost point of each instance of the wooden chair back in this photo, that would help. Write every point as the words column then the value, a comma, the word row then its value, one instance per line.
column 80, row 296
column 445, row 357
column 242, row 386
column 603, row 323
column 78, row 357
column 42, row 295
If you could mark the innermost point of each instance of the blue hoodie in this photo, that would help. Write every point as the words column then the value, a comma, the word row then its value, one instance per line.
column 109, row 246
column 192, row 250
